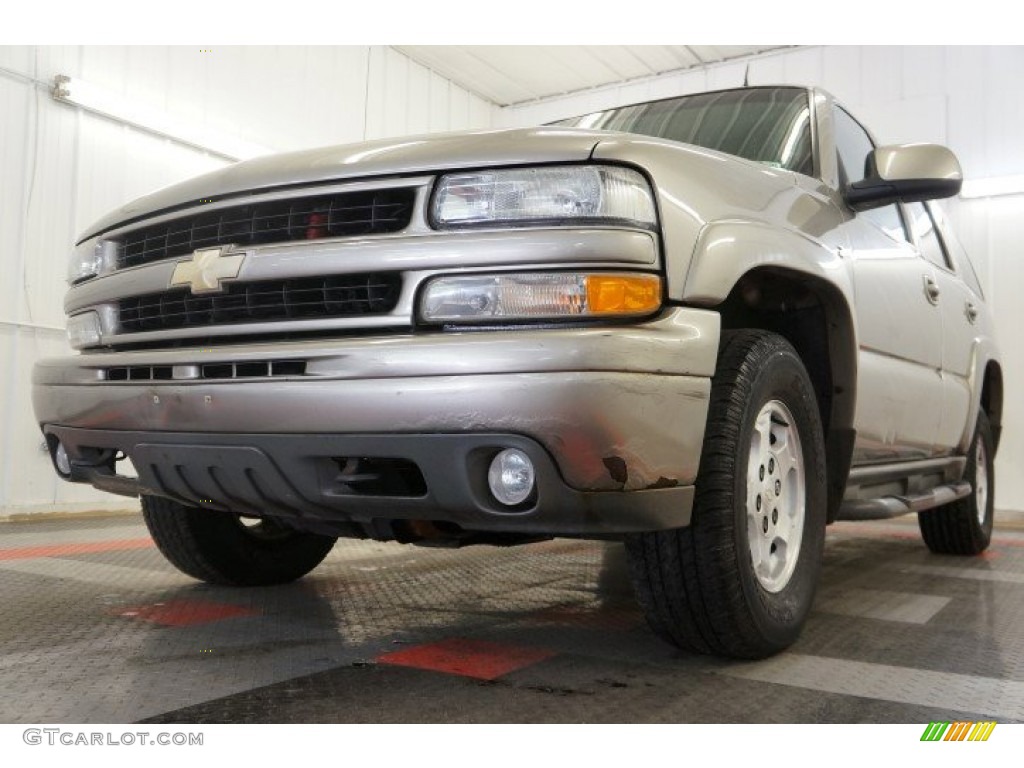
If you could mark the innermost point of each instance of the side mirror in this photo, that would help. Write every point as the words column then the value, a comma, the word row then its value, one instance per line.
column 906, row 172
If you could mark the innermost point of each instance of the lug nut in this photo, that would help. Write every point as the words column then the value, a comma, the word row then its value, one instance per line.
column 771, row 465
column 759, row 502
column 764, row 525
column 778, row 487
column 761, row 472
column 775, row 516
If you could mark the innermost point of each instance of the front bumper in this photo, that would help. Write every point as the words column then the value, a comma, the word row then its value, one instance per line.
column 298, row 476
column 614, row 417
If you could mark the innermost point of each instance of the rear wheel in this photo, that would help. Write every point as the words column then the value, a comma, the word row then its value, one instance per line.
column 964, row 526
column 225, row 548
column 740, row 580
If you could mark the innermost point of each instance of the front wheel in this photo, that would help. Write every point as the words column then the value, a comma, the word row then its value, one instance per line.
column 740, row 580
column 225, row 548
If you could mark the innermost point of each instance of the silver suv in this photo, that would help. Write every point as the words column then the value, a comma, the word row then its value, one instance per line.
column 706, row 326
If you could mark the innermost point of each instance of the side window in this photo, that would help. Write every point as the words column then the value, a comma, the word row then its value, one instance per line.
column 956, row 249
column 853, row 146
column 970, row 276
column 929, row 241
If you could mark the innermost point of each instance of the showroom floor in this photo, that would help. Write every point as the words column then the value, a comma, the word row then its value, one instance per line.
column 97, row 627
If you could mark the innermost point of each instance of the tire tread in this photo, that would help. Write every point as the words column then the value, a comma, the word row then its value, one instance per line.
column 688, row 580
column 953, row 528
column 211, row 546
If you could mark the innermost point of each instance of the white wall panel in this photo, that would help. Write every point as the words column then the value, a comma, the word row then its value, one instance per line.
column 881, row 70
column 1004, row 129
column 966, row 131
column 61, row 169
column 924, row 71
column 50, row 157
column 8, row 382
column 458, row 107
column 969, row 98
column 15, row 99
column 439, row 88
column 726, row 75
column 966, row 67
column 803, row 66
column 841, row 70
column 769, row 70
column 418, row 112
column 922, row 118
column 396, row 93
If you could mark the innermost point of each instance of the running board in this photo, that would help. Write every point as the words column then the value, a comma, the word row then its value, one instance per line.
column 894, row 506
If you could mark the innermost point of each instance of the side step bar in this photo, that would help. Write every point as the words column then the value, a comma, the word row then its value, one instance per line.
column 880, row 491
column 894, row 506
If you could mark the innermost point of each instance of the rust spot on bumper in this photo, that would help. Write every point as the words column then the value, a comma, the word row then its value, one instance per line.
column 616, row 468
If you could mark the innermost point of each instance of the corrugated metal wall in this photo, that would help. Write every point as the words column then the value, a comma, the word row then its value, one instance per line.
column 969, row 98
column 60, row 169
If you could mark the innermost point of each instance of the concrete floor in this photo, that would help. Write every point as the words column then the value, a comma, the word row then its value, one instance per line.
column 97, row 627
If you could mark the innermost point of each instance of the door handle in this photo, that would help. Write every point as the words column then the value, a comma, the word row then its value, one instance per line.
column 931, row 289
column 971, row 311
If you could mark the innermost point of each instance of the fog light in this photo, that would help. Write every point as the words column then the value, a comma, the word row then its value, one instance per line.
column 61, row 459
column 511, row 477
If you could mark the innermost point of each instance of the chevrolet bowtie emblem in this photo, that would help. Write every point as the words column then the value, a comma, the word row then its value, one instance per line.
column 207, row 267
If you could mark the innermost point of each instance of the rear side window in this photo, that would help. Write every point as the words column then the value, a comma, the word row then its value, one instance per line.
column 926, row 234
column 967, row 272
column 957, row 251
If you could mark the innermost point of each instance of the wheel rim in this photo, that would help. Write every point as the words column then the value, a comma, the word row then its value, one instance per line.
column 776, row 496
column 981, row 481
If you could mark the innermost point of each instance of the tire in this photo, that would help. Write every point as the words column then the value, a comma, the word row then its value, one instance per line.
column 698, row 585
column 219, row 548
column 964, row 526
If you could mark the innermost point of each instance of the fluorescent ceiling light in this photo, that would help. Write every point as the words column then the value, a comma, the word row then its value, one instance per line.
column 993, row 187
column 100, row 101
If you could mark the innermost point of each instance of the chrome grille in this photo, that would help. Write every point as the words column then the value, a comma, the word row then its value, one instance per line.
column 265, row 301
column 368, row 212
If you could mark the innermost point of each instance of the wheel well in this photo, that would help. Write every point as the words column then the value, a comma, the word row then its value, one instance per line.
column 814, row 317
column 992, row 399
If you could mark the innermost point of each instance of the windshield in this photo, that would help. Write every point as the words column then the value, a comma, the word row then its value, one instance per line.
column 768, row 125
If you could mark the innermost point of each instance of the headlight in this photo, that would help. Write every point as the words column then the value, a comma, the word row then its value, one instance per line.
column 540, row 296
column 84, row 330
column 556, row 194
column 89, row 259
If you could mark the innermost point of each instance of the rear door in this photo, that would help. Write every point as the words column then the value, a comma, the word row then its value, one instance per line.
column 959, row 308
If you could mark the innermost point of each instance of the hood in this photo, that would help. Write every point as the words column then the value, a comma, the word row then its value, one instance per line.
column 388, row 157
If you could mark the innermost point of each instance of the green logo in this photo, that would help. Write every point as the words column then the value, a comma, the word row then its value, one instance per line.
column 958, row 731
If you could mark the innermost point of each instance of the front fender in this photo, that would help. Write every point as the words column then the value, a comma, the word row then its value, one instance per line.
column 699, row 188
column 727, row 250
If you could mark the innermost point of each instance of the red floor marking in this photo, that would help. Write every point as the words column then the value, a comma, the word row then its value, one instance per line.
column 470, row 658
column 185, row 613
column 990, row 554
column 79, row 548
